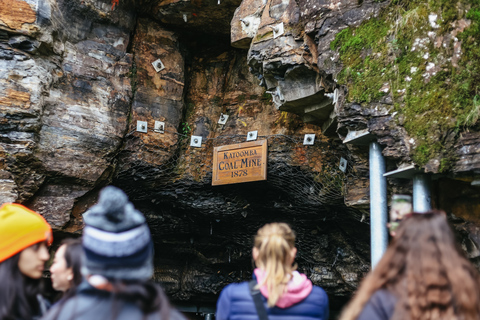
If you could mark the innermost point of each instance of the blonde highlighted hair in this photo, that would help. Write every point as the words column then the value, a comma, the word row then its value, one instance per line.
column 274, row 243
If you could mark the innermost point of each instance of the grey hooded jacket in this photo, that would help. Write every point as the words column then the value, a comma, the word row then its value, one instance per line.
column 90, row 303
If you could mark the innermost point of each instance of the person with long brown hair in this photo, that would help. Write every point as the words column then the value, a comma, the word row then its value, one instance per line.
column 278, row 291
column 422, row 275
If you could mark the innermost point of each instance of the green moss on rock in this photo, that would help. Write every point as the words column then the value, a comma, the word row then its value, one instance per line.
column 402, row 53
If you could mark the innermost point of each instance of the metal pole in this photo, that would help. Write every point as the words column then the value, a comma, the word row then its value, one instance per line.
column 378, row 204
column 421, row 193
column 209, row 316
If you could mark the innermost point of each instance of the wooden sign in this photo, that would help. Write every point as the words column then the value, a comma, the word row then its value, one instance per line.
column 243, row 162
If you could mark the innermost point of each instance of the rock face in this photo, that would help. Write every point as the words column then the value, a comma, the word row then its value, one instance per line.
column 85, row 83
column 359, row 70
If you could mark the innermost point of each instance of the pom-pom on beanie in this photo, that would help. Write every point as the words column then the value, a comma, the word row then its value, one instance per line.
column 116, row 239
column 20, row 228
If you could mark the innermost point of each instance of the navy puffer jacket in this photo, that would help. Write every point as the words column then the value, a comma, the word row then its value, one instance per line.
column 236, row 303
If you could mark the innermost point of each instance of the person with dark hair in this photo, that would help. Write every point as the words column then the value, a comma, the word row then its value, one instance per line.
column 24, row 240
column 277, row 291
column 65, row 269
column 422, row 276
column 117, row 267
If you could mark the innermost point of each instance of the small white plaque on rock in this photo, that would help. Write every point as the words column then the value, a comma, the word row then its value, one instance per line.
column 158, row 65
column 196, row 141
column 309, row 139
column 252, row 135
column 142, row 126
column 159, row 127
column 343, row 164
column 277, row 30
column 223, row 118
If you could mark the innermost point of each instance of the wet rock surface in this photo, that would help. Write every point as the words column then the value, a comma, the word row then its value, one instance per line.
column 468, row 147
column 79, row 78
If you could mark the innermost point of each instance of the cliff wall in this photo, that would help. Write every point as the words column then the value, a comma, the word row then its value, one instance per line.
column 77, row 77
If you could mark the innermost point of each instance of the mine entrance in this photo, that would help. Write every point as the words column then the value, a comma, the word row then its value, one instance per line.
column 203, row 233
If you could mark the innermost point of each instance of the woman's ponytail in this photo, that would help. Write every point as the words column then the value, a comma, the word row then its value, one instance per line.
column 274, row 243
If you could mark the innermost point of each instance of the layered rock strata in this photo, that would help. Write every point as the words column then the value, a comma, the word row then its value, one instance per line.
column 79, row 79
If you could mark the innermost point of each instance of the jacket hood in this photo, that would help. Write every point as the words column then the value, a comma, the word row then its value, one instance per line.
column 298, row 288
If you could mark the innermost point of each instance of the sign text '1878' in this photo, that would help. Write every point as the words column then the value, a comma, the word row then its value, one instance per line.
column 240, row 163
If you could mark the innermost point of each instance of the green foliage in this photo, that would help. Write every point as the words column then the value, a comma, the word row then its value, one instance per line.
column 447, row 162
column 449, row 11
column 468, row 77
column 132, row 74
column 260, row 37
column 472, row 117
column 267, row 97
column 424, row 152
column 351, row 42
column 341, row 40
column 385, row 52
column 185, row 128
column 474, row 14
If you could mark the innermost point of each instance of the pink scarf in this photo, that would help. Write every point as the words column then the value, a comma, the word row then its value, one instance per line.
column 298, row 288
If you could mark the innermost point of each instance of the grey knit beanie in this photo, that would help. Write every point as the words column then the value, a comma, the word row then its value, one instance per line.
column 116, row 239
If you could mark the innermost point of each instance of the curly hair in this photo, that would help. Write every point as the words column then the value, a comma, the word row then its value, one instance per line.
column 427, row 273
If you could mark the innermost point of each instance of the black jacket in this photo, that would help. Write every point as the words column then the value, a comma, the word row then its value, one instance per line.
column 90, row 303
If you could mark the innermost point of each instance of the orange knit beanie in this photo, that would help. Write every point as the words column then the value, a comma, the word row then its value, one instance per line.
column 20, row 228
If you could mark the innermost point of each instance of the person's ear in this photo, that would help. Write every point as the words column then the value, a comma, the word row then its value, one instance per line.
column 293, row 253
column 255, row 254
column 69, row 274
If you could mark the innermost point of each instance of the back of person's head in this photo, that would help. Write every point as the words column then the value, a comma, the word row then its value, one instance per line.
column 117, row 262
column 274, row 252
column 21, row 229
column 441, row 282
column 118, row 247
column 116, row 239
column 424, row 268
